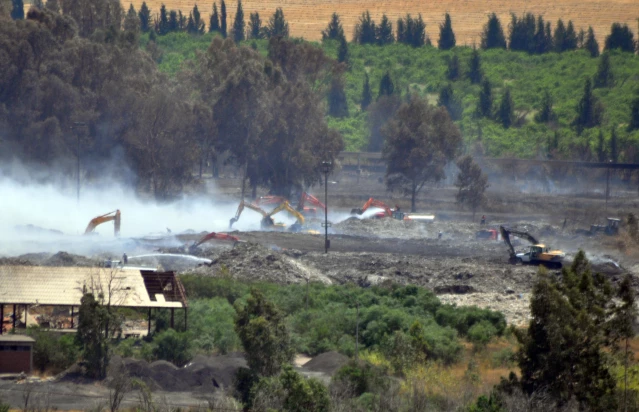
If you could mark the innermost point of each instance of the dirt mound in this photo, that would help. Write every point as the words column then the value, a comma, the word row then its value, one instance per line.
column 67, row 259
column 327, row 363
column 202, row 374
column 16, row 261
column 250, row 261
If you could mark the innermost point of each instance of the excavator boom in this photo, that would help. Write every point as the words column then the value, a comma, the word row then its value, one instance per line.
column 537, row 254
column 375, row 203
column 111, row 216
column 249, row 205
column 312, row 200
column 220, row 236
column 287, row 206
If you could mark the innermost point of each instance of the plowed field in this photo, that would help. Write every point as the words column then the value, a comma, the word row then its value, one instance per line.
column 308, row 18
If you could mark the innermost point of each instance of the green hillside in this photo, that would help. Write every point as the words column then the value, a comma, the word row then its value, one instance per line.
column 423, row 70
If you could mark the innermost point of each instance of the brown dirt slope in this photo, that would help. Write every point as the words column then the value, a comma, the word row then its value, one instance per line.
column 308, row 18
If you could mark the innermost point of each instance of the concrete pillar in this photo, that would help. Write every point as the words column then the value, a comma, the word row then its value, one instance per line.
column 1, row 317
column 15, row 315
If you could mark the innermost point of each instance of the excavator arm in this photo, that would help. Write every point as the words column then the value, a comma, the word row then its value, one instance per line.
column 269, row 200
column 505, row 234
column 214, row 235
column 111, row 216
column 374, row 203
column 312, row 200
column 287, row 206
column 249, row 205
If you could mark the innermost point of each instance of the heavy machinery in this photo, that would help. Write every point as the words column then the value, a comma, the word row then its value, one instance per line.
column 490, row 234
column 297, row 226
column 388, row 212
column 111, row 216
column 538, row 254
column 611, row 228
column 214, row 235
column 301, row 204
column 267, row 220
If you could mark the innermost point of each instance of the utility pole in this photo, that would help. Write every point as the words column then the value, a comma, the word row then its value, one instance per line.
column 326, row 168
column 77, row 125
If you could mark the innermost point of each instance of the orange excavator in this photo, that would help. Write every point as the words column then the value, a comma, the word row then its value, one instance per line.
column 214, row 235
column 111, row 216
column 387, row 211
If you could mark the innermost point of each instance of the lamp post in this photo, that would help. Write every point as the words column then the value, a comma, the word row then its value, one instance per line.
column 77, row 125
column 326, row 169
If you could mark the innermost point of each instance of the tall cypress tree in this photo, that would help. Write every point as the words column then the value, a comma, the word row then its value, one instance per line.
column 334, row 30
column 506, row 112
column 604, row 77
column 385, row 32
column 337, row 105
column 214, row 21
column 367, row 95
column 163, row 24
column 386, row 86
column 559, row 38
column 174, row 22
column 446, row 34
column 198, row 24
column 277, row 25
column 223, row 20
column 542, row 43
column 342, row 51
column 485, row 107
column 448, row 100
column 492, row 36
column 145, row 18
column 239, row 26
column 453, row 68
column 132, row 22
column 546, row 113
column 17, row 12
column 365, row 30
column 255, row 26
column 570, row 43
column 620, row 37
column 475, row 73
column 591, row 43
column 589, row 110
column 634, row 115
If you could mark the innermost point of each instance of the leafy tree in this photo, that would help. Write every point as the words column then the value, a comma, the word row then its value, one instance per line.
column 379, row 114
column 365, row 30
column 589, row 110
column 485, row 106
column 591, row 44
column 446, row 34
column 475, row 72
column 634, row 115
column 453, row 68
column 522, row 33
column 163, row 26
column 386, row 86
column 277, row 25
column 337, row 104
column 172, row 346
column 17, row 13
column 198, row 24
column 93, row 335
column 620, row 37
column 342, row 51
column 471, row 183
column 334, row 30
column 604, row 77
column 492, row 36
column 546, row 113
column 563, row 350
column 53, row 6
column 367, row 95
column 542, row 42
column 448, row 100
column 412, row 31
column 290, row 392
column 239, row 26
column 384, row 32
column 264, row 335
column 420, row 141
column 506, row 112
column 223, row 29
column 214, row 21
column 255, row 26
column 145, row 18
column 94, row 15
column 623, row 322
column 601, row 152
column 614, row 148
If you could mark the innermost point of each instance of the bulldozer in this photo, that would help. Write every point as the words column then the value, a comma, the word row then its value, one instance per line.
column 537, row 254
column 107, row 217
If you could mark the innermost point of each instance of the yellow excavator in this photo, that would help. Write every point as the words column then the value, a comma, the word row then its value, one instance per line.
column 301, row 221
column 538, row 254
column 267, row 221
column 111, row 216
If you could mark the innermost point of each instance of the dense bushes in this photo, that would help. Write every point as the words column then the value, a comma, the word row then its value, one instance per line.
column 51, row 350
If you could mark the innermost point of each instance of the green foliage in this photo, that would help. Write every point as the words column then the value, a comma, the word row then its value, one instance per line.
column 367, row 95
column 384, row 32
column 448, row 100
column 589, row 109
column 145, row 18
column 334, row 30
column 485, row 106
column 604, row 76
column 412, row 31
column 360, row 377
column 172, row 346
column 256, row 31
column 446, row 35
column 546, row 113
column 51, row 350
column 342, row 54
column 365, row 30
column 620, row 37
column 386, row 86
column 239, row 26
column 337, row 105
column 95, row 326
column 506, row 111
column 214, row 21
column 492, row 36
column 223, row 29
column 475, row 73
column 277, row 25
column 290, row 392
column 453, row 72
column 634, row 115
column 472, row 184
column 591, row 44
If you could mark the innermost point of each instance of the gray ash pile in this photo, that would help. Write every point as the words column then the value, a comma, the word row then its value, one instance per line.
column 327, row 363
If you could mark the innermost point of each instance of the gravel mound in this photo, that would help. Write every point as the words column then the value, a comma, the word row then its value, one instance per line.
column 202, row 374
column 67, row 259
column 327, row 363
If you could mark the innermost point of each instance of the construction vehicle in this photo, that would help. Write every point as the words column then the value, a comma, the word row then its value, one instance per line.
column 490, row 234
column 388, row 212
column 538, row 254
column 111, row 216
column 299, row 224
column 610, row 229
column 266, row 222
column 301, row 204
column 214, row 235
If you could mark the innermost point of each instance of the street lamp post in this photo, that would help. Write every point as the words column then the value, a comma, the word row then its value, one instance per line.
column 77, row 125
column 326, row 169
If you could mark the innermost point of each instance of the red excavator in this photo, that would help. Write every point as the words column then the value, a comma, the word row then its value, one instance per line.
column 96, row 221
column 387, row 211
column 214, row 235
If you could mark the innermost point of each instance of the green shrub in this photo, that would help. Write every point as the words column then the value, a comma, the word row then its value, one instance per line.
column 172, row 346
column 481, row 333
column 52, row 350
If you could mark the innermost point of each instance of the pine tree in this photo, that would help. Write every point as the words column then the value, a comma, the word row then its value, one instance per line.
column 453, row 68
column 385, row 32
column 337, row 105
column 506, row 113
column 342, row 51
column 163, row 24
column 446, row 34
column 223, row 30
column 620, row 37
column 492, row 36
column 412, row 31
column 255, row 26
column 570, row 43
column 401, row 31
column 604, row 77
column 334, row 30
column 546, row 113
column 634, row 115
column 522, row 33
column 132, row 22
column 624, row 321
column 53, row 5
column 17, row 13
column 277, row 25
column 190, row 25
column 198, row 24
column 614, row 148
column 174, row 22
column 591, row 43
column 560, row 36
column 145, row 18
column 365, row 30
column 448, row 100
column 475, row 73
column 182, row 19
column 589, row 110
column 542, row 44
column 581, row 38
column 386, row 86
column 601, row 153
column 367, row 95
column 485, row 107
column 239, row 26
column 214, row 21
